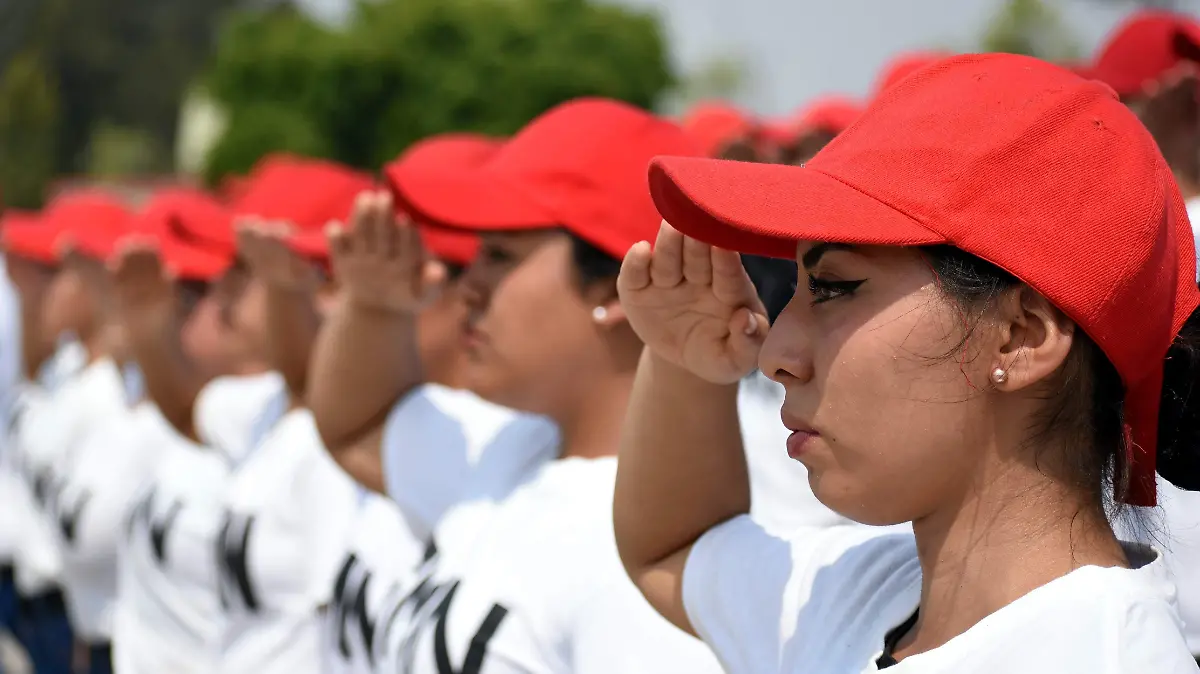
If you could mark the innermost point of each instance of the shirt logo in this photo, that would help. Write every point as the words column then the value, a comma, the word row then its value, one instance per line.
column 232, row 543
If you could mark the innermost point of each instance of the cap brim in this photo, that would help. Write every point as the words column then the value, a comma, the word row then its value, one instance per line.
column 765, row 209
column 35, row 242
column 476, row 200
column 192, row 263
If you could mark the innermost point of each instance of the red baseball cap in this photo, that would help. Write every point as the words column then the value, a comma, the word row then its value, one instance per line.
column 716, row 124
column 903, row 65
column 23, row 234
column 194, row 232
column 1033, row 169
column 91, row 222
column 579, row 166
column 445, row 152
column 1142, row 49
column 830, row 114
column 306, row 193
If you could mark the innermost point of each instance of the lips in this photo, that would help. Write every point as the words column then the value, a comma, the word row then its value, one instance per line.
column 801, row 438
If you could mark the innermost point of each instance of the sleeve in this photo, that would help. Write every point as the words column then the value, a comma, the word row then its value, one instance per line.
column 441, row 445
column 617, row 631
column 230, row 410
column 746, row 591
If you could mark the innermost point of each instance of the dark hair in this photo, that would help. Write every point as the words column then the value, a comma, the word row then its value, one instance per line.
column 1085, row 402
column 805, row 147
column 592, row 265
column 774, row 279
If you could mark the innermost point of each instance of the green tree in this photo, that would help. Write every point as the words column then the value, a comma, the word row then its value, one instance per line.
column 405, row 69
column 1033, row 28
column 28, row 114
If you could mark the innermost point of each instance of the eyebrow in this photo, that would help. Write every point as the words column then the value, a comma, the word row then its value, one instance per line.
column 813, row 255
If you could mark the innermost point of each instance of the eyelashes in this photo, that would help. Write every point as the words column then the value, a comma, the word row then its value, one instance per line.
column 823, row 290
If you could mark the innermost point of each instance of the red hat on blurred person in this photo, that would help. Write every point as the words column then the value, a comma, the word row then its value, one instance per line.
column 194, row 232
column 830, row 114
column 305, row 193
column 716, row 124
column 903, row 65
column 1142, row 49
column 23, row 234
column 913, row 171
column 445, row 152
column 579, row 166
column 89, row 222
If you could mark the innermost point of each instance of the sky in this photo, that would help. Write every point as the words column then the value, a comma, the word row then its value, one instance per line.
column 795, row 50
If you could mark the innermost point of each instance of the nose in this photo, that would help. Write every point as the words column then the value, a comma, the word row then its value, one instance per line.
column 787, row 355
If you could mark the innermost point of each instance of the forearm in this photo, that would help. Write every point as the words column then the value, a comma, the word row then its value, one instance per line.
column 173, row 381
column 292, row 327
column 36, row 349
column 365, row 360
column 682, row 467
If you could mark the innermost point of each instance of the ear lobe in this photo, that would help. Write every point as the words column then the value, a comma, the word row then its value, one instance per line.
column 1035, row 341
column 611, row 316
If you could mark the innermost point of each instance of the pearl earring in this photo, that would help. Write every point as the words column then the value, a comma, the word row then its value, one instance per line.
column 599, row 314
column 999, row 376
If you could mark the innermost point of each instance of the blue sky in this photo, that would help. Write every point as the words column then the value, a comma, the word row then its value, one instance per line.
column 798, row 49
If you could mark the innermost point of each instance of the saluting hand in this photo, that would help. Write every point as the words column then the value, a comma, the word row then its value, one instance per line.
column 380, row 260
column 693, row 305
column 139, row 280
column 263, row 245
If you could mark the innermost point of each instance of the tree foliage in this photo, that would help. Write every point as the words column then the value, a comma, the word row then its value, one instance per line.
column 404, row 69
column 28, row 117
column 1033, row 28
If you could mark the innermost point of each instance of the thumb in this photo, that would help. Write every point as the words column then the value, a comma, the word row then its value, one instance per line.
column 747, row 332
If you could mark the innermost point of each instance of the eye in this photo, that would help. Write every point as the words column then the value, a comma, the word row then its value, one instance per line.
column 823, row 290
column 496, row 255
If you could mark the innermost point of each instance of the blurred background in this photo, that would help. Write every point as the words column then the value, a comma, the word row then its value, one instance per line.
column 137, row 93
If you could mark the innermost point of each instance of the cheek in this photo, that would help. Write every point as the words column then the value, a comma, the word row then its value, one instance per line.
column 896, row 411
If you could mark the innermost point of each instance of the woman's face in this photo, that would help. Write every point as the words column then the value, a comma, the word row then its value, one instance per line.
column 866, row 351
column 241, row 309
column 529, row 330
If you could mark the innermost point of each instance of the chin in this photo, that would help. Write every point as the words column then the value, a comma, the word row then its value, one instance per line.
column 852, row 500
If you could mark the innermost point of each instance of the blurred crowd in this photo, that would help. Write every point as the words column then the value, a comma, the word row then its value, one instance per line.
column 323, row 421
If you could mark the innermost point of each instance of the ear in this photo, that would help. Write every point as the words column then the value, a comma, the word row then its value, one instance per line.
column 613, row 314
column 1034, row 340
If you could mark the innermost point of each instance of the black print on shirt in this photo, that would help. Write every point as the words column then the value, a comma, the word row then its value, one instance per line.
column 350, row 608
column 429, row 606
column 232, row 545
column 158, row 529
column 68, row 516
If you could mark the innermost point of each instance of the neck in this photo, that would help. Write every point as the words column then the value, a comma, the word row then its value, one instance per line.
column 591, row 425
column 1010, row 534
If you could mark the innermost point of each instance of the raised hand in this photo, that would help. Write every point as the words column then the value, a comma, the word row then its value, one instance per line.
column 380, row 261
column 139, row 280
column 263, row 245
column 693, row 305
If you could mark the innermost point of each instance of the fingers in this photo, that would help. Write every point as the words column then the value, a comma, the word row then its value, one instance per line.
column 635, row 268
column 666, row 264
column 731, row 284
column 747, row 332
column 697, row 261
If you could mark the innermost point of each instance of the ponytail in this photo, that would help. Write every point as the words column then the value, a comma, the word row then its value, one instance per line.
column 1179, row 409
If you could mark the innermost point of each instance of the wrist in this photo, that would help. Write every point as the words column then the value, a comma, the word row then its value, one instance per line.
column 680, row 378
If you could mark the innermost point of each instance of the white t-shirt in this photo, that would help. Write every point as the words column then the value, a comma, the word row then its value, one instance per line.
column 288, row 516
column 533, row 584
column 10, row 378
column 440, row 447
column 168, row 612
column 100, row 487
column 1173, row 527
column 383, row 551
column 52, row 433
column 781, row 498
column 232, row 414
column 824, row 601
